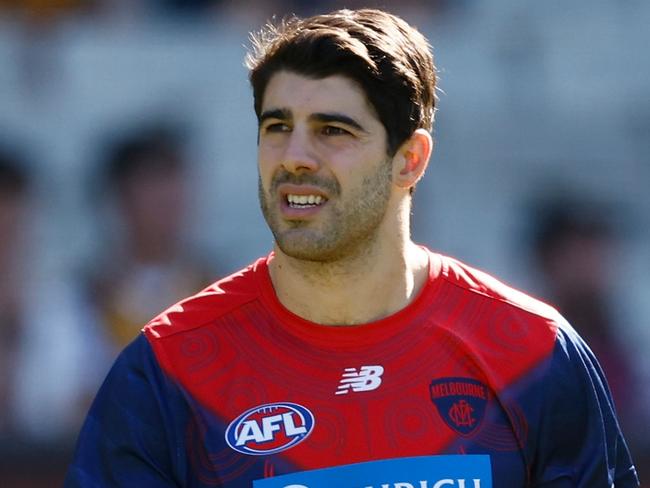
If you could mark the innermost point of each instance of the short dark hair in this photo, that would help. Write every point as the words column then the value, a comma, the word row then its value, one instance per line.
column 149, row 149
column 557, row 222
column 14, row 173
column 390, row 59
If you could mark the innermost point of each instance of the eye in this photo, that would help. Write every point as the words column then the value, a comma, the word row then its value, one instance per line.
column 332, row 130
column 277, row 127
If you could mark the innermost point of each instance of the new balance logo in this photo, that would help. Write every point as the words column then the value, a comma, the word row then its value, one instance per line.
column 366, row 379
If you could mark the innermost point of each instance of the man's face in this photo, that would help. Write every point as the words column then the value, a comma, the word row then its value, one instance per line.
column 324, row 173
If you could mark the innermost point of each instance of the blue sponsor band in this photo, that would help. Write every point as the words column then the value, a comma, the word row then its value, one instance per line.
column 447, row 471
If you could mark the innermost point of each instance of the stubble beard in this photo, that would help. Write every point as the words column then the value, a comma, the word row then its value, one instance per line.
column 349, row 228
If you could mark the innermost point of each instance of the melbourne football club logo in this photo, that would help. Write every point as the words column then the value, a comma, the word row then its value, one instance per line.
column 270, row 428
column 460, row 402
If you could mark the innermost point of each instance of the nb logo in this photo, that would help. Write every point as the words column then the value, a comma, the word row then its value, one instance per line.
column 366, row 379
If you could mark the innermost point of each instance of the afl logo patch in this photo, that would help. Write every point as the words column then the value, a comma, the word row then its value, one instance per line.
column 460, row 402
column 270, row 428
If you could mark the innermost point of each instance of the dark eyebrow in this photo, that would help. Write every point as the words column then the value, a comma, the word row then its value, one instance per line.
column 336, row 117
column 322, row 117
column 275, row 113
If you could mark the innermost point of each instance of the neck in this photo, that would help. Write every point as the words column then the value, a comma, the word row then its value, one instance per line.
column 353, row 290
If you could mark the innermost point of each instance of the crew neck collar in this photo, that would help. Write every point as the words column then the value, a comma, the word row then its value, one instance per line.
column 348, row 335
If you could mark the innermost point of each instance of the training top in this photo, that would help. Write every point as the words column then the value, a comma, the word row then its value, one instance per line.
column 472, row 385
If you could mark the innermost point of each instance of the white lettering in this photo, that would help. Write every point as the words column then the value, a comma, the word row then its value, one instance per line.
column 477, row 483
column 290, row 427
column 422, row 484
column 270, row 425
column 250, row 431
column 442, row 483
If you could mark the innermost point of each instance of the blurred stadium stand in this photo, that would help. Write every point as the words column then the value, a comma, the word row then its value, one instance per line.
column 537, row 98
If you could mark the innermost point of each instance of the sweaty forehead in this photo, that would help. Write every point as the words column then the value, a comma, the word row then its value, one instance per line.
column 302, row 96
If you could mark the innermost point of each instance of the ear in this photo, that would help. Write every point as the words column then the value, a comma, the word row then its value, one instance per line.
column 412, row 158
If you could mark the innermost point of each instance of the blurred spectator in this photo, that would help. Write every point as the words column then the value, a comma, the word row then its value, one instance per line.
column 575, row 247
column 39, row 392
column 13, row 206
column 145, row 265
column 190, row 6
column 41, row 10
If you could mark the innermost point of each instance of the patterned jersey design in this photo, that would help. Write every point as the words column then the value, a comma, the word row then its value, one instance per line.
column 228, row 387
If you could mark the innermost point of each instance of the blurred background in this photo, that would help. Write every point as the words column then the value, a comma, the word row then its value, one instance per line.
column 128, row 180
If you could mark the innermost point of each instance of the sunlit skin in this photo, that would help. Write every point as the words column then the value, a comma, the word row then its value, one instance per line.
column 333, row 149
column 337, row 204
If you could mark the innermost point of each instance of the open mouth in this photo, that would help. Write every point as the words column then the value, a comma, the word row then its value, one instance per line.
column 304, row 201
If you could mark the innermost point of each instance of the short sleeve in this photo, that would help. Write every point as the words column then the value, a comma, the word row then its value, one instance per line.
column 580, row 443
column 124, row 441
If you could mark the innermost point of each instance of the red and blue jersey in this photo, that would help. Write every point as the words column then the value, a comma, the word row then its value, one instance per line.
column 472, row 385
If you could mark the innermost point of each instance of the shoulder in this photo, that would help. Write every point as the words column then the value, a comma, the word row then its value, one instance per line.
column 495, row 319
column 519, row 321
column 215, row 301
column 480, row 283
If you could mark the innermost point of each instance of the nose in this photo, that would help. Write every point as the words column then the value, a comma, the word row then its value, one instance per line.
column 299, row 154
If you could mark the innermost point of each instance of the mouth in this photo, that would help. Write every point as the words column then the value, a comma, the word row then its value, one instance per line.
column 304, row 201
column 300, row 202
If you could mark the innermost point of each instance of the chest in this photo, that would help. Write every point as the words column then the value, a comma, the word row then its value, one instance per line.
column 261, row 411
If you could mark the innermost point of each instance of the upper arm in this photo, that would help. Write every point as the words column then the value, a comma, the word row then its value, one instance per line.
column 580, row 443
column 125, row 438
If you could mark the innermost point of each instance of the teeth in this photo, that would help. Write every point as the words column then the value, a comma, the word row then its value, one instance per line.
column 304, row 199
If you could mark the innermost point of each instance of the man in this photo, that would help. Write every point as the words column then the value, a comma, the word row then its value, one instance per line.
column 14, row 202
column 351, row 357
column 145, row 267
